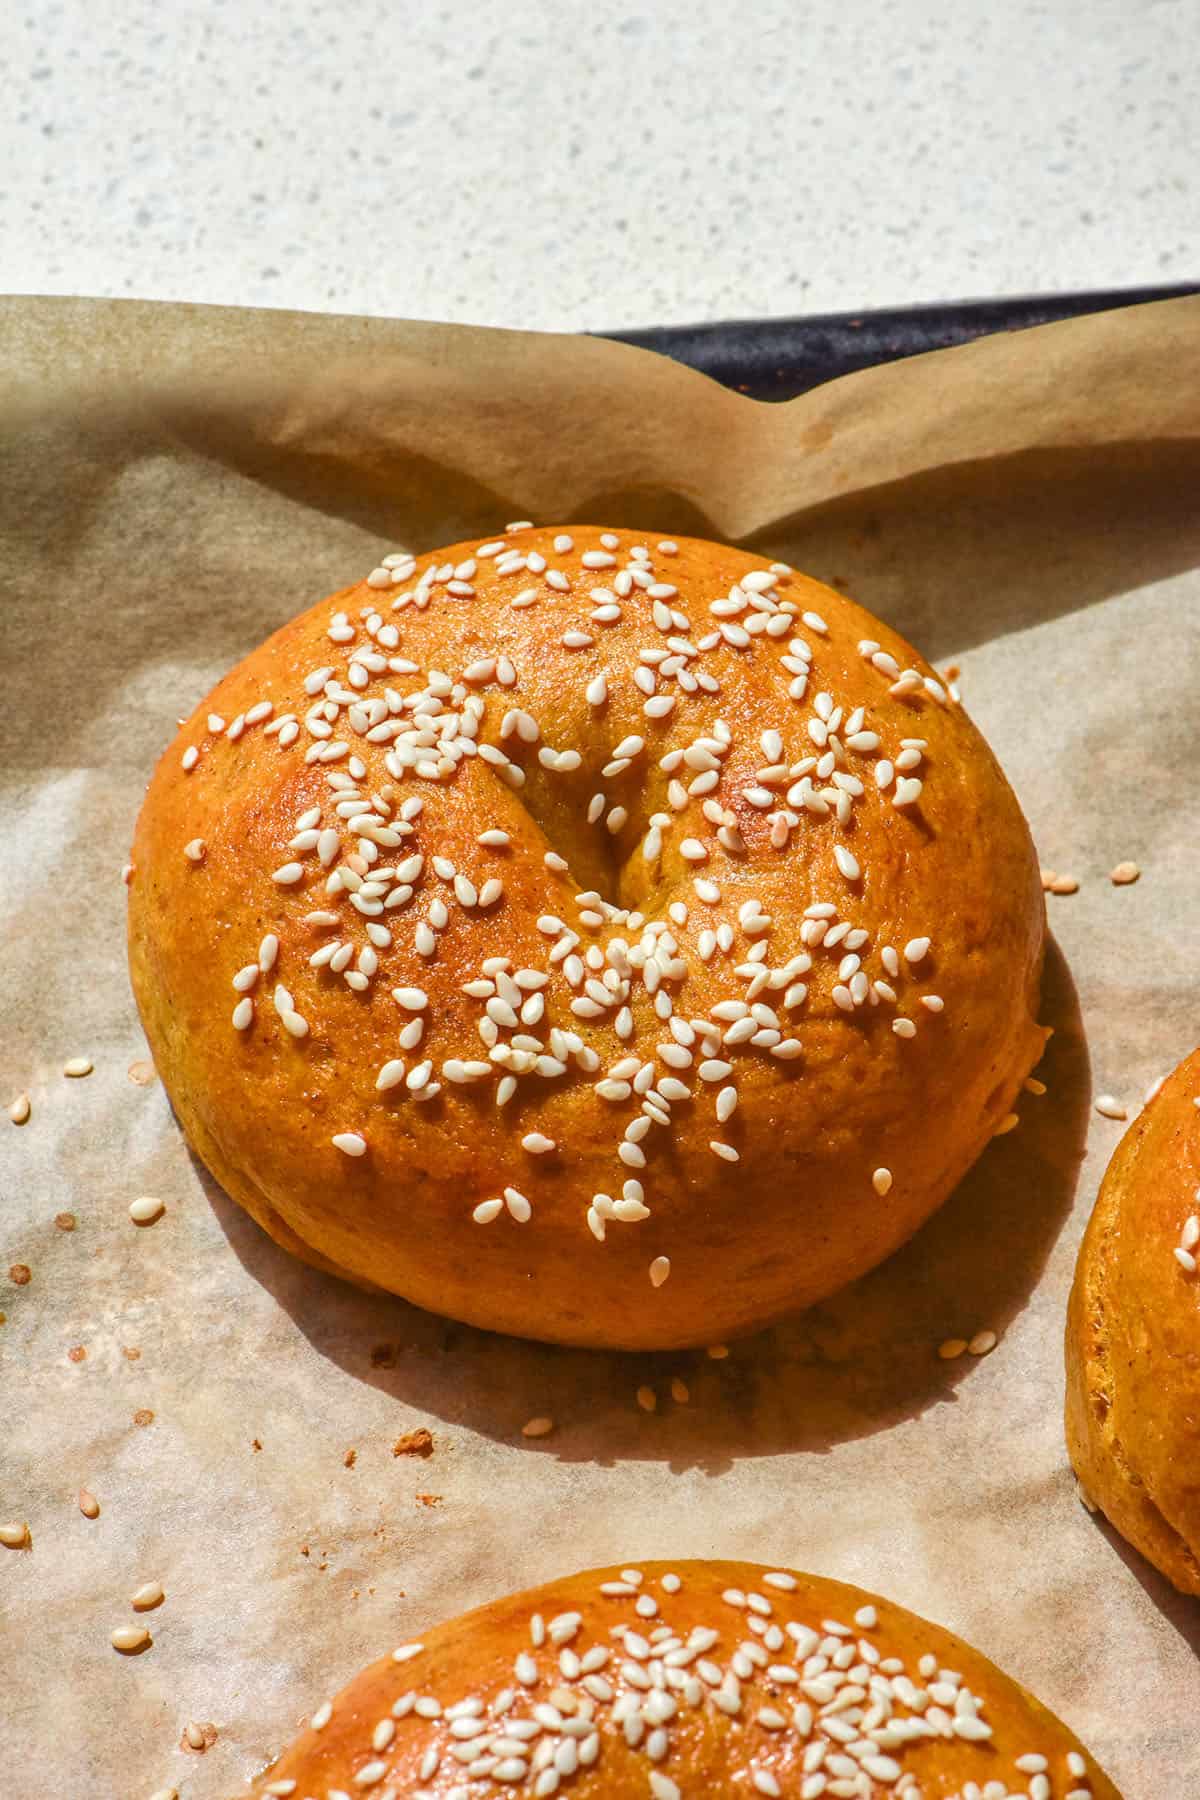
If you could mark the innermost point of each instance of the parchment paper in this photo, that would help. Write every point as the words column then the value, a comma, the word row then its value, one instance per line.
column 174, row 483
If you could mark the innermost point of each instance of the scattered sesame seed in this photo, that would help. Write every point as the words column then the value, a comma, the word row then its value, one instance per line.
column 660, row 1268
column 19, row 1109
column 717, row 1352
column 1063, row 884
column 14, row 1536
column 1110, row 1107
column 982, row 1342
column 149, row 1595
column 146, row 1209
column 952, row 1348
column 647, row 1399
column 881, row 1181
column 1124, row 874
column 194, row 851
column 89, row 1506
column 1008, row 1123
column 538, row 1427
column 78, row 1066
column 130, row 1638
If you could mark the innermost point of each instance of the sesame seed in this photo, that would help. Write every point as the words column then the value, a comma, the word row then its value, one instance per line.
column 1124, row 874
column 146, row 1209
column 951, row 1349
column 1008, row 1123
column 881, row 1181
column 349, row 1143
column 660, row 1268
column 982, row 1342
column 243, row 1014
column 1110, row 1107
column 537, row 1144
column 19, row 1109
column 647, row 1399
column 129, row 1638
column 149, row 1595
column 518, row 1206
column 14, row 1536
column 288, row 874
column 538, row 1427
column 194, row 851
column 1063, row 884
column 89, row 1506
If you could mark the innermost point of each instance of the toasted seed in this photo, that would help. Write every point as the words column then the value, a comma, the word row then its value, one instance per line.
column 145, row 1209
column 78, row 1065
column 540, row 1427
column 89, row 1506
column 19, row 1109
column 150, row 1594
column 1124, row 873
column 15, row 1536
column 1064, row 884
column 130, row 1637
column 982, row 1342
column 952, row 1348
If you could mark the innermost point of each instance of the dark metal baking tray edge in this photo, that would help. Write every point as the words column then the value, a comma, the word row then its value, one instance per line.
column 776, row 359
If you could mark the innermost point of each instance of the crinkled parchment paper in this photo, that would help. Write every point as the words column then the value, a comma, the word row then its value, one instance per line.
column 174, row 483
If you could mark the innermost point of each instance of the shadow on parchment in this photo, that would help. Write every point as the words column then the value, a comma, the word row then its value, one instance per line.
column 860, row 1362
column 1005, row 544
column 1181, row 1611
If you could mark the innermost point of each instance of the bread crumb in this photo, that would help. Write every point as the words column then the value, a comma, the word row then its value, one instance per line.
column 65, row 1221
column 414, row 1443
column 20, row 1274
column 429, row 1499
column 77, row 1353
column 350, row 1458
column 256, row 1443
column 143, row 1416
column 131, row 1353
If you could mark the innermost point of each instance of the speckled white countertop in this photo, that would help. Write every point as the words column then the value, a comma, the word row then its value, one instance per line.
column 554, row 164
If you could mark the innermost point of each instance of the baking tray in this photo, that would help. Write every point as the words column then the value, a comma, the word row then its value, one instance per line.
column 776, row 359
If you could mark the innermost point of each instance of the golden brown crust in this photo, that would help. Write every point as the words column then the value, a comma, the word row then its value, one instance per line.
column 1133, row 1331
column 799, row 1215
column 726, row 1716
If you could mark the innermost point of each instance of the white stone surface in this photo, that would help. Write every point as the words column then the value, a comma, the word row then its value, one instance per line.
column 554, row 164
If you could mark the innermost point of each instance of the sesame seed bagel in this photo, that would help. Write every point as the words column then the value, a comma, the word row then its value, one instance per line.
column 1133, row 1377
column 687, row 1681
column 606, row 940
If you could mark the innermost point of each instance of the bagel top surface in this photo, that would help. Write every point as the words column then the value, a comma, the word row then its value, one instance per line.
column 1133, row 1375
column 598, row 938
column 680, row 1682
